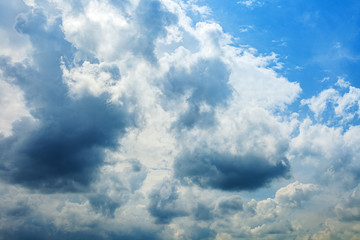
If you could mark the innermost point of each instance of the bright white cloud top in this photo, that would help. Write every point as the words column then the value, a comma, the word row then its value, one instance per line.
column 144, row 119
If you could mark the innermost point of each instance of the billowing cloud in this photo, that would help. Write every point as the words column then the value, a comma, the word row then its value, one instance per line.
column 326, row 153
column 62, row 148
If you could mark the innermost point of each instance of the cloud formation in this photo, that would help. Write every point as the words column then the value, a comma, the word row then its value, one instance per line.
column 228, row 172
column 143, row 119
column 62, row 148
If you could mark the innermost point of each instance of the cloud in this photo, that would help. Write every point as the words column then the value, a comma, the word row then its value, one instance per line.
column 104, row 204
column 13, row 105
column 318, row 104
column 294, row 194
column 15, row 46
column 90, row 79
column 342, row 83
column 63, row 148
column 203, row 212
column 250, row 3
column 231, row 155
column 231, row 205
column 115, row 185
column 242, row 218
column 59, row 154
column 205, row 84
column 196, row 232
column 348, row 210
column 228, row 172
column 343, row 105
column 59, row 216
column 327, row 154
column 132, row 120
column 163, row 204
column 20, row 210
column 107, row 32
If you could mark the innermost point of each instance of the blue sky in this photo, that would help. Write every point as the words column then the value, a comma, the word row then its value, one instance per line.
column 319, row 37
column 174, row 119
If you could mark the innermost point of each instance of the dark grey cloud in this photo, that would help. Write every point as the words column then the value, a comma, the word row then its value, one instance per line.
column 163, row 204
column 230, row 205
column 201, row 233
column 136, row 233
column 208, row 82
column 38, row 228
column 207, row 78
column 203, row 212
column 193, row 116
column 64, row 148
column 104, row 204
column 152, row 18
column 20, row 210
column 24, row 218
column 228, row 172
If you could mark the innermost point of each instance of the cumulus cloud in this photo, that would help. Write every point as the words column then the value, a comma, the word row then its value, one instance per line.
column 233, row 156
column 328, row 154
column 236, row 217
column 294, row 194
column 343, row 105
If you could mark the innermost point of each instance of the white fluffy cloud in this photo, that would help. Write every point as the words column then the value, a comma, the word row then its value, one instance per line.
column 13, row 105
column 328, row 154
column 344, row 105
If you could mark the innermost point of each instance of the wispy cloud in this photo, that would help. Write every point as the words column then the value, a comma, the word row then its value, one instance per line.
column 250, row 3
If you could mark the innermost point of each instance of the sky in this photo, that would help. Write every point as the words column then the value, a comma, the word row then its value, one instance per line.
column 179, row 119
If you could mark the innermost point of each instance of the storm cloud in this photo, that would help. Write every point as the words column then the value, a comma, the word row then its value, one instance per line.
column 61, row 149
column 228, row 172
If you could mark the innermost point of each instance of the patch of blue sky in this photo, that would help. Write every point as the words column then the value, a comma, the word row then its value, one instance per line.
column 314, row 39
